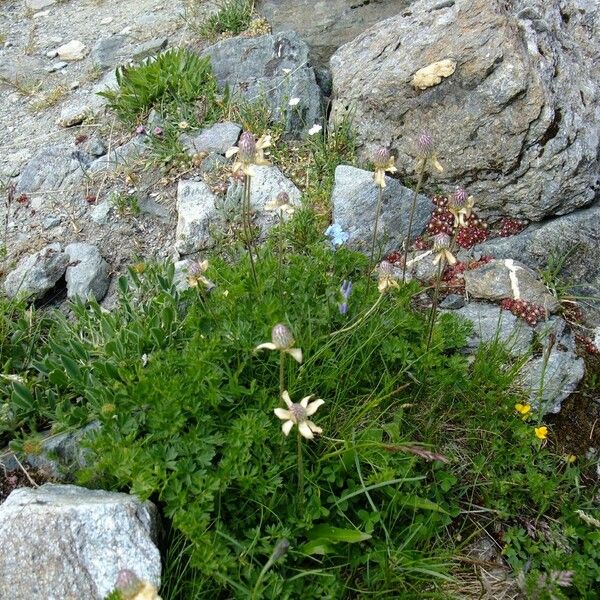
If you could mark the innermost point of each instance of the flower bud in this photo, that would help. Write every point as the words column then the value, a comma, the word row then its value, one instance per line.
column 425, row 144
column 459, row 198
column 280, row 549
column 247, row 147
column 283, row 198
column 386, row 270
column 282, row 337
column 441, row 241
column 381, row 158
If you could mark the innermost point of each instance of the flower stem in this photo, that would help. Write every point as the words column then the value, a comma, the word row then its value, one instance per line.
column 412, row 216
column 248, row 226
column 281, row 373
column 434, row 305
column 374, row 241
column 361, row 319
column 280, row 256
column 300, row 471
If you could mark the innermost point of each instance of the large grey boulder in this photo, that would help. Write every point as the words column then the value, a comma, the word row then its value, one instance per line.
column 87, row 275
column 354, row 200
column 52, row 168
column 38, row 273
column 274, row 68
column 62, row 542
column 508, row 278
column 507, row 93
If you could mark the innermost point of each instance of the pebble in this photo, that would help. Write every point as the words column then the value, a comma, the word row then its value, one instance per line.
column 73, row 50
column 56, row 66
column 106, row 21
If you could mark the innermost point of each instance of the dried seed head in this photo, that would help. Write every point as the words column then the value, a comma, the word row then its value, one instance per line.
column 247, row 147
column 441, row 241
column 381, row 158
column 425, row 144
column 282, row 337
column 459, row 198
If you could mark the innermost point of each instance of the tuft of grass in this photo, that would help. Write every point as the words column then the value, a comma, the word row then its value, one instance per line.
column 233, row 17
column 50, row 98
column 125, row 204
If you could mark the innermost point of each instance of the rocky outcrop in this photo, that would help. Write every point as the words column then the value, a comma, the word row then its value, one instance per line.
column 87, row 275
column 518, row 121
column 62, row 541
column 272, row 68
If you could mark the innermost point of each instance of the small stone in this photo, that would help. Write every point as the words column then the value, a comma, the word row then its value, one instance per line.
column 51, row 221
column 41, row 14
column 452, row 302
column 74, row 85
column 101, row 213
column 52, row 54
column 196, row 213
column 87, row 275
column 149, row 48
column 106, row 21
column 57, row 66
column 39, row 4
column 433, row 74
column 217, row 138
column 108, row 51
column 74, row 50
column 36, row 274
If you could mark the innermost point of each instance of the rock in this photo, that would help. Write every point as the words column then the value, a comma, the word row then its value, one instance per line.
column 452, row 302
column 57, row 66
column 180, row 279
column 51, row 221
column 74, row 50
column 95, row 146
column 327, row 24
column 217, row 138
column 108, row 51
column 508, row 278
column 196, row 213
column 354, row 202
column 420, row 265
column 510, row 124
column 39, row 4
column 52, row 168
column 151, row 207
column 36, row 274
column 101, row 213
column 553, row 381
column 433, row 74
column 128, row 152
column 77, row 541
column 212, row 162
column 492, row 324
column 149, row 48
column 87, row 275
column 274, row 68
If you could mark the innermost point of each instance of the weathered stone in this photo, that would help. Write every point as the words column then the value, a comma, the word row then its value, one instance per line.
column 331, row 22
column 74, row 50
column 217, row 138
column 87, row 275
column 354, row 200
column 108, row 51
column 149, row 206
column 149, row 48
column 452, row 302
column 420, row 265
column 492, row 324
column 52, row 168
column 36, row 5
column 57, row 66
column 127, row 153
column 101, row 213
column 51, row 221
column 274, row 68
column 212, row 162
column 516, row 124
column 196, row 213
column 553, row 380
column 508, row 278
column 77, row 541
column 38, row 273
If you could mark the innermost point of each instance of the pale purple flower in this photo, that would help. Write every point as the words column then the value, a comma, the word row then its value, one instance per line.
column 345, row 290
column 140, row 130
column 158, row 131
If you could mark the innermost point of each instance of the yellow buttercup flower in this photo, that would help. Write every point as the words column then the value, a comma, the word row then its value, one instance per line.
column 523, row 409
column 541, row 432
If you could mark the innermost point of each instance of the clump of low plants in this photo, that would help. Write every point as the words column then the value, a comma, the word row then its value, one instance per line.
column 233, row 17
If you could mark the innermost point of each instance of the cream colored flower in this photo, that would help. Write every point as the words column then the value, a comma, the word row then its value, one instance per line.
column 461, row 206
column 426, row 153
column 315, row 129
column 441, row 248
column 297, row 414
column 283, row 341
column 387, row 278
column 280, row 205
column 249, row 153
column 131, row 587
column 383, row 162
column 196, row 277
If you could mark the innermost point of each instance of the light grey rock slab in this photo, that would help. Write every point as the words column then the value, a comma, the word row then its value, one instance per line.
column 196, row 214
column 217, row 138
column 87, row 275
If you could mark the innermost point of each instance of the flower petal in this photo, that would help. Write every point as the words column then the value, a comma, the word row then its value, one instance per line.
column 295, row 353
column 304, row 401
column 312, row 408
column 305, row 430
column 284, row 415
column 266, row 346
column 286, row 398
column 313, row 427
column 287, row 427
column 231, row 152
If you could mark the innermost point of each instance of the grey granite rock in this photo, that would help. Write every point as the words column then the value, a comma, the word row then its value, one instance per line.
column 354, row 202
column 217, row 138
column 108, row 51
column 122, row 155
column 452, row 302
column 76, row 542
column 517, row 123
column 38, row 273
column 274, row 68
column 87, row 275
column 508, row 278
column 196, row 214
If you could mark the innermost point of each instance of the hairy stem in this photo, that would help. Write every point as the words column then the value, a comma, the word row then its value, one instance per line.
column 411, row 217
column 246, row 218
column 300, row 470
column 434, row 305
column 374, row 241
column 281, row 373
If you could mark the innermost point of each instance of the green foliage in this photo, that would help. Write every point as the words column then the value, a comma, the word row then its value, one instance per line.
column 233, row 16
column 171, row 82
column 125, row 204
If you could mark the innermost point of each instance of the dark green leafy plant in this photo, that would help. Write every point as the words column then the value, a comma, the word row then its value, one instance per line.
column 233, row 16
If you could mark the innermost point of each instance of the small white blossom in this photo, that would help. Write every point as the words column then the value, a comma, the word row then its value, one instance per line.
column 294, row 101
column 315, row 129
column 297, row 414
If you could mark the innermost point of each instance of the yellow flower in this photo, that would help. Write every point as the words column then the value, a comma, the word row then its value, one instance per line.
column 282, row 340
column 570, row 459
column 383, row 162
column 541, row 432
column 297, row 414
column 387, row 279
column 523, row 409
column 249, row 153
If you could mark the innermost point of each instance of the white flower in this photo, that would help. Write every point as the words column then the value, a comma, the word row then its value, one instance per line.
column 315, row 129
column 297, row 414
column 282, row 340
column 294, row 101
column 281, row 205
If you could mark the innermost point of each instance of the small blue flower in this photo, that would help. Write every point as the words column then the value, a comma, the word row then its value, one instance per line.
column 345, row 290
column 336, row 234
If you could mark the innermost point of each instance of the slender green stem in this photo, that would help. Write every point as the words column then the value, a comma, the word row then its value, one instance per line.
column 374, row 241
column 281, row 373
column 361, row 319
column 434, row 305
column 280, row 256
column 300, row 470
column 248, row 227
column 411, row 218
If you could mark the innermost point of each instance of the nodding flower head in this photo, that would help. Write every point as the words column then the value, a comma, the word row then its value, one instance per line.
column 381, row 158
column 459, row 198
column 425, row 144
column 283, row 341
column 441, row 248
column 281, row 205
column 247, row 147
column 383, row 162
column 386, row 276
column 249, row 152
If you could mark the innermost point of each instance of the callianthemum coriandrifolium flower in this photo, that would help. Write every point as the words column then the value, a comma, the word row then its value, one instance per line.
column 196, row 277
column 441, row 248
column 280, row 205
column 460, row 204
column 131, row 587
column 283, row 341
column 297, row 413
column 386, row 277
column 426, row 153
column 383, row 161
column 249, row 153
